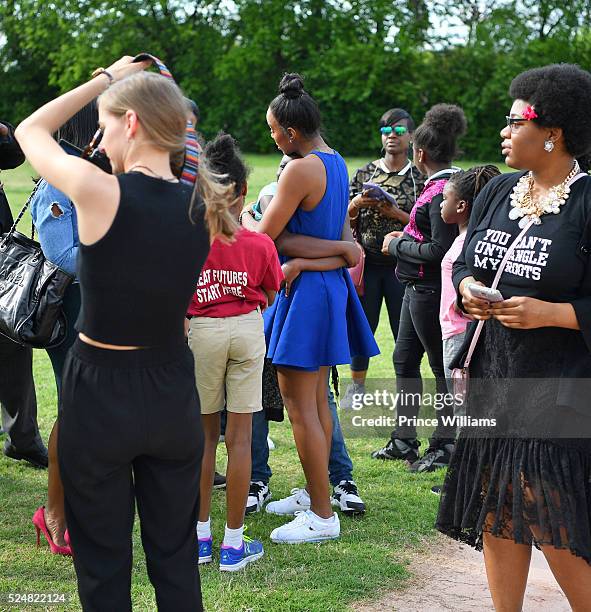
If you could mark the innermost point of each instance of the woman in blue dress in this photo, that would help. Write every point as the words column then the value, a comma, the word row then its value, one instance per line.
column 318, row 322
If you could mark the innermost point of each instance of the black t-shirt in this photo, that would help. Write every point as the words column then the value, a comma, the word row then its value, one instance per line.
column 551, row 263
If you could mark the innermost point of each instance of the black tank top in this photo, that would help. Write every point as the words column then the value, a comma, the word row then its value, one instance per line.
column 137, row 280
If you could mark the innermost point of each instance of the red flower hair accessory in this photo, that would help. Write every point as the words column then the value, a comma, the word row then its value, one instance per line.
column 529, row 113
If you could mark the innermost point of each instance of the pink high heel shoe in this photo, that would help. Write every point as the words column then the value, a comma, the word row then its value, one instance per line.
column 41, row 526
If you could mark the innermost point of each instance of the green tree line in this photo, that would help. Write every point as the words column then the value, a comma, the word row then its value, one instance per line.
column 359, row 57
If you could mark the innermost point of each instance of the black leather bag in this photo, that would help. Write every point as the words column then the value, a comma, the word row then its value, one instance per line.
column 31, row 291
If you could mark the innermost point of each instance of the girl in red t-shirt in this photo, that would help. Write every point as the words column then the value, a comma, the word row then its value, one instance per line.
column 239, row 279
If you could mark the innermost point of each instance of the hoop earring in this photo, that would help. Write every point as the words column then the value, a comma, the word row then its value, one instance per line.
column 548, row 146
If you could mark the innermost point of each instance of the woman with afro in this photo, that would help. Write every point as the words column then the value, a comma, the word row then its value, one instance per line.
column 527, row 480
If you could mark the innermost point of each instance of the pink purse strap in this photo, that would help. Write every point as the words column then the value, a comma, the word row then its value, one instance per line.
column 500, row 271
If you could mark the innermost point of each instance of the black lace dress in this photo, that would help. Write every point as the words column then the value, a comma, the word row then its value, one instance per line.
column 528, row 478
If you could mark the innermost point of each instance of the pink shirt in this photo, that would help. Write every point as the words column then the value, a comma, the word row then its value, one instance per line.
column 452, row 322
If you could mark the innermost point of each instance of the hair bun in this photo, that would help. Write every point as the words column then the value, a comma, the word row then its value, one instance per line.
column 447, row 118
column 221, row 151
column 291, row 85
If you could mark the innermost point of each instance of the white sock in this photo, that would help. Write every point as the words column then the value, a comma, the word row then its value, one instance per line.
column 233, row 537
column 320, row 520
column 204, row 529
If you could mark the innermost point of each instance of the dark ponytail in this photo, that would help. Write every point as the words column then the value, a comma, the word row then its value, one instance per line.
column 438, row 134
column 222, row 175
column 295, row 108
column 469, row 183
column 80, row 128
column 223, row 157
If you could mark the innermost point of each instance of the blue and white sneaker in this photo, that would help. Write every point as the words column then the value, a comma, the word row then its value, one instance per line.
column 234, row 559
column 205, row 550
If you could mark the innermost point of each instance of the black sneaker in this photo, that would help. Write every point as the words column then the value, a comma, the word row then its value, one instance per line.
column 433, row 459
column 219, row 481
column 258, row 495
column 405, row 450
column 37, row 457
column 436, row 490
column 346, row 497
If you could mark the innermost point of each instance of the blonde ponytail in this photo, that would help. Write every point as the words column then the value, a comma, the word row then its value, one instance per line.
column 219, row 200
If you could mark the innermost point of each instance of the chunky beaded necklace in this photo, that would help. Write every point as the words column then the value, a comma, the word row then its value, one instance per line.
column 525, row 208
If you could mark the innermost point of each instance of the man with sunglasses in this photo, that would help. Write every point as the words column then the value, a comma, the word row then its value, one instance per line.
column 372, row 217
column 17, row 388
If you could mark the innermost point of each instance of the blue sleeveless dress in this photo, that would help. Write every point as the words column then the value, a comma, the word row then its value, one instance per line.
column 322, row 322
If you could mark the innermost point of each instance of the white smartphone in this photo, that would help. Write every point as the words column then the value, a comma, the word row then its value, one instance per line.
column 485, row 293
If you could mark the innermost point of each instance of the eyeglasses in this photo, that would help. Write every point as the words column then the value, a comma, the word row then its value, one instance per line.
column 514, row 123
column 399, row 130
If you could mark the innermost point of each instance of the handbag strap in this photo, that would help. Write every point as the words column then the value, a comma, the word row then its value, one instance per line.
column 495, row 282
column 20, row 216
column 500, row 271
column 192, row 147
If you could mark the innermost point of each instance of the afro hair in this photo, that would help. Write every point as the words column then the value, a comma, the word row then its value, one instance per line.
column 560, row 93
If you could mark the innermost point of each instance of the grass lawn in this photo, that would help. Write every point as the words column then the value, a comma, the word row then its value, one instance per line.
column 370, row 557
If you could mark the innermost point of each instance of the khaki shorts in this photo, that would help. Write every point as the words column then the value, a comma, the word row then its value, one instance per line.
column 229, row 357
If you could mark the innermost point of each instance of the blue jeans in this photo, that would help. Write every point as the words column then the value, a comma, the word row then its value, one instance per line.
column 340, row 466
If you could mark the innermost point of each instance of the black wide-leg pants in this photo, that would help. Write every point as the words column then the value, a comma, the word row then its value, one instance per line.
column 17, row 397
column 130, row 430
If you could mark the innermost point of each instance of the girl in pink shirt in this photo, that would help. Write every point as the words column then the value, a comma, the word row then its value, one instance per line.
column 459, row 194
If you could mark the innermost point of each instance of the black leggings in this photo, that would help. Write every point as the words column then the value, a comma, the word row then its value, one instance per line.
column 380, row 283
column 420, row 332
column 130, row 431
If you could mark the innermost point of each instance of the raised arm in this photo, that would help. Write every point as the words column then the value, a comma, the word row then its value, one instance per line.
column 94, row 193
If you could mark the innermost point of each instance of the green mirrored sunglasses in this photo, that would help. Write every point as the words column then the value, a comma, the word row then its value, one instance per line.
column 399, row 130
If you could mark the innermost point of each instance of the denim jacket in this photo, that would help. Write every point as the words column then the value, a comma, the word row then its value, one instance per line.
column 54, row 217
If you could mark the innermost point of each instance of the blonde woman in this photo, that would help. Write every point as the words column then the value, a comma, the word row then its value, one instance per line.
column 130, row 428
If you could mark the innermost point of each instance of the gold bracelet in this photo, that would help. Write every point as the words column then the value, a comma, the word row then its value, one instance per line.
column 100, row 71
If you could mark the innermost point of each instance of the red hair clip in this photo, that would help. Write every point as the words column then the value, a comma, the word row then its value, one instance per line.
column 529, row 113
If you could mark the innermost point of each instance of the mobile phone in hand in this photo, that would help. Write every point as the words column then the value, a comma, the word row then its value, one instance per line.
column 485, row 293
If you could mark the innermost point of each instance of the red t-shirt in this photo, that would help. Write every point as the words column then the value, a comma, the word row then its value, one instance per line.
column 234, row 275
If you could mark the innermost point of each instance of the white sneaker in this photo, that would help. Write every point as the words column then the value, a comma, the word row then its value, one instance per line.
column 270, row 444
column 304, row 528
column 298, row 500
column 353, row 396
column 258, row 495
